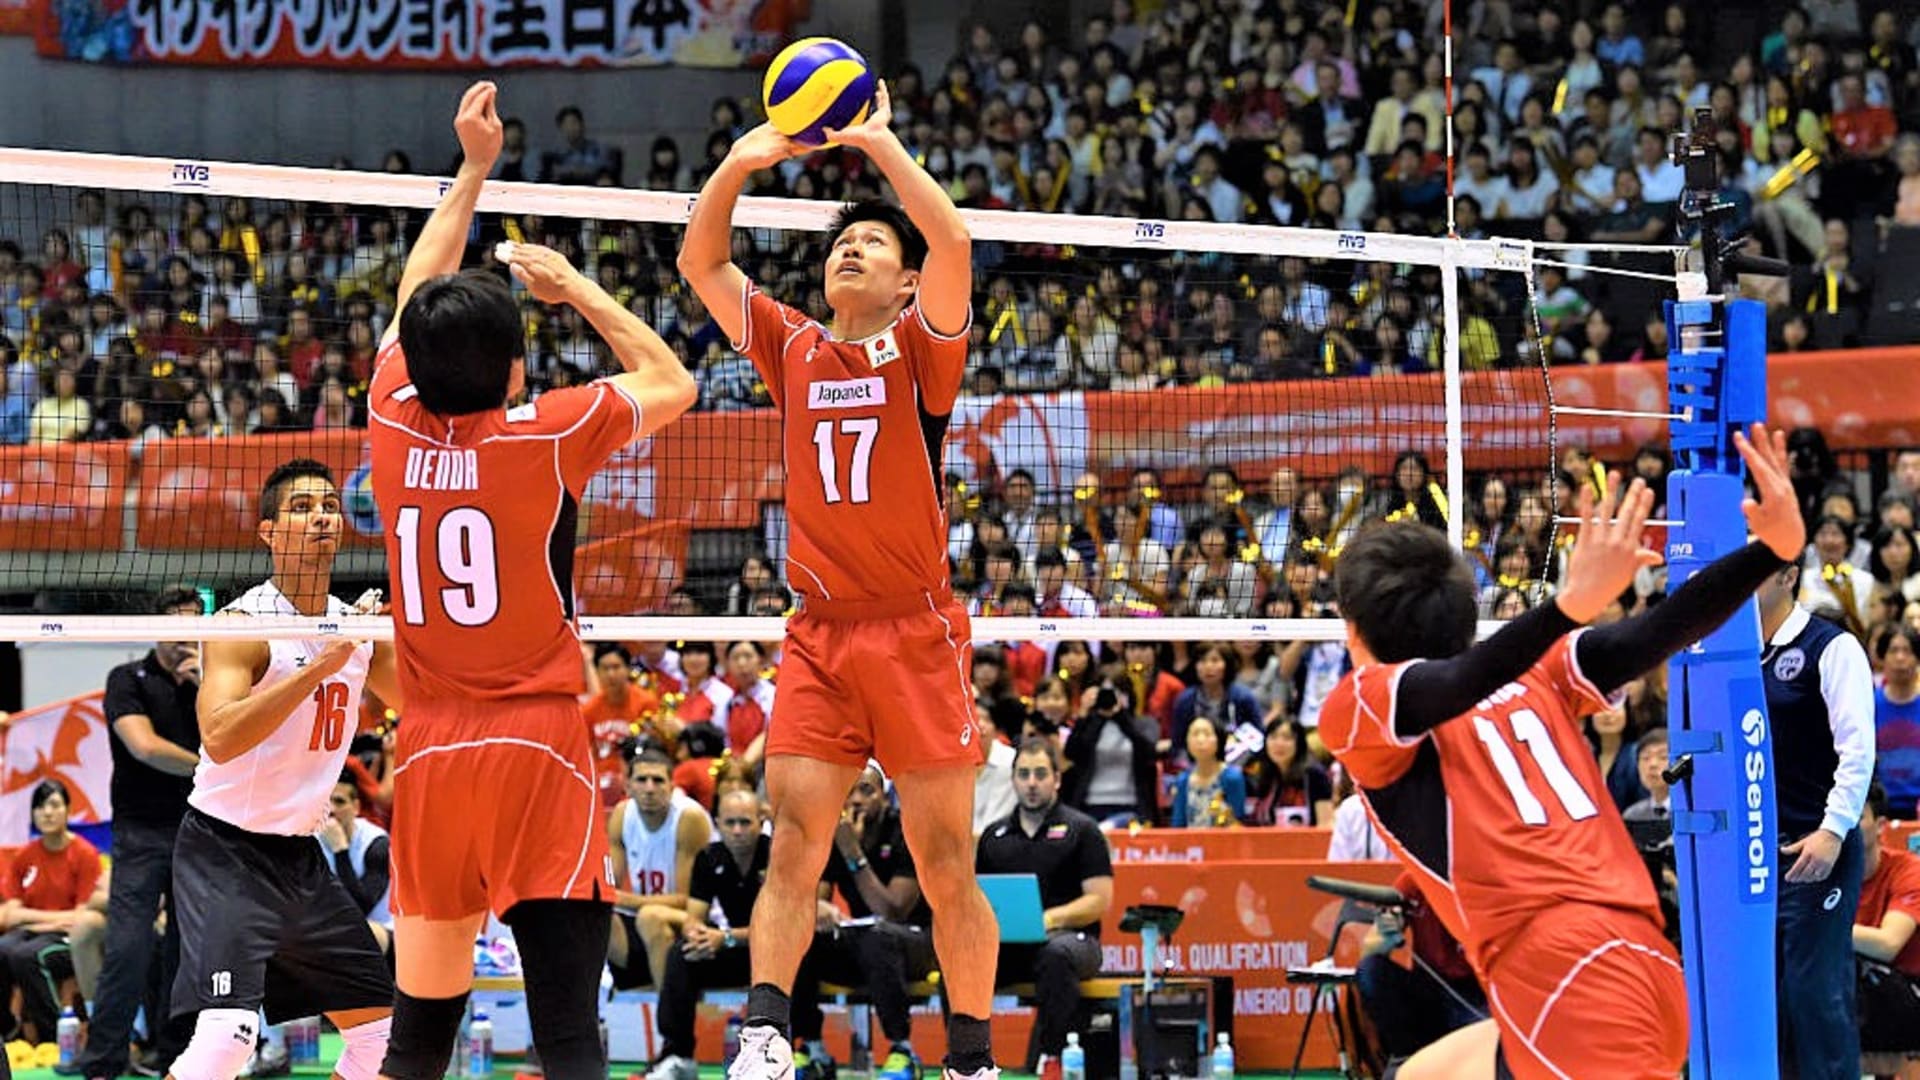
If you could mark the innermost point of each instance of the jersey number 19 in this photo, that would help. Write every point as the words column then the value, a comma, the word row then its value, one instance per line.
column 464, row 550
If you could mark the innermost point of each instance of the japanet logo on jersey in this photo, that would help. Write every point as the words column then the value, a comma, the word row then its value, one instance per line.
column 847, row 393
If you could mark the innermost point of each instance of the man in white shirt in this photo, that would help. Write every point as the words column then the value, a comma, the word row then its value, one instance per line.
column 1019, row 512
column 1590, row 190
column 1661, row 181
column 252, row 891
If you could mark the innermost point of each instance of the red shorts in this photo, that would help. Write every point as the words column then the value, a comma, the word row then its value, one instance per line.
column 891, row 681
column 1590, row 991
column 495, row 803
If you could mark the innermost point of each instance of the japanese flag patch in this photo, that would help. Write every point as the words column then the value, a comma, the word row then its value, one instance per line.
column 883, row 349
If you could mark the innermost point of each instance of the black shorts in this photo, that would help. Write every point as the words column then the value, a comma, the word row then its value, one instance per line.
column 636, row 972
column 265, row 924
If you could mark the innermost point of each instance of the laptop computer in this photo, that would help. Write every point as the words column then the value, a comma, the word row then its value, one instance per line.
column 1015, row 899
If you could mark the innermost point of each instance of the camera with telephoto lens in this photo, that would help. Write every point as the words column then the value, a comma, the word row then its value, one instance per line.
column 1107, row 698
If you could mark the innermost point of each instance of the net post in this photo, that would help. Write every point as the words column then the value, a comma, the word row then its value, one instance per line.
column 1450, row 378
column 1724, row 813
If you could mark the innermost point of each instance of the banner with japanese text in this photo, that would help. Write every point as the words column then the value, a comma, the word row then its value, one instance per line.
column 420, row 34
column 65, row 741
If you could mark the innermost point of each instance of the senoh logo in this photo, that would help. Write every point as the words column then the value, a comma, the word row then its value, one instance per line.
column 1352, row 241
column 191, row 174
column 1753, row 730
column 847, row 393
column 1153, row 232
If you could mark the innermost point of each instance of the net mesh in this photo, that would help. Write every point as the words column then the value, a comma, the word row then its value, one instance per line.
column 1196, row 416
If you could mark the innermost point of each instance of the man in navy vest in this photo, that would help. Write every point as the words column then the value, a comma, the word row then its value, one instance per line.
column 1820, row 701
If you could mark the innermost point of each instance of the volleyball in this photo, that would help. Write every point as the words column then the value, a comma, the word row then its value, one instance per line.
column 814, row 85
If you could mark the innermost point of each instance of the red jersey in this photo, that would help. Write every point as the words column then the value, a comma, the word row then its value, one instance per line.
column 1894, row 886
column 1501, row 813
column 479, row 514
column 865, row 426
column 52, row 880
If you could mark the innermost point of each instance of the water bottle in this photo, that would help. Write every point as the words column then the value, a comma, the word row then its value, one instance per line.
column 732, row 1046
column 1223, row 1058
column 480, row 1045
column 69, row 1036
column 293, row 1036
column 1073, row 1060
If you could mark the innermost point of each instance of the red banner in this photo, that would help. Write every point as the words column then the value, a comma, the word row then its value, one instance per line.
column 204, row 494
column 718, row 470
column 385, row 35
column 62, row 498
column 18, row 16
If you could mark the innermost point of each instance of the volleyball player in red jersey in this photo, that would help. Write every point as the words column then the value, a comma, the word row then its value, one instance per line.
column 877, row 662
column 1474, row 767
column 495, row 807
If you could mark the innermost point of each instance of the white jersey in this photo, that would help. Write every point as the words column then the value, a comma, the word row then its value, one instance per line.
column 653, row 856
column 280, row 787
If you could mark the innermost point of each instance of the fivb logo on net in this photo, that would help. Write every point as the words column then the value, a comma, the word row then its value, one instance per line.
column 192, row 175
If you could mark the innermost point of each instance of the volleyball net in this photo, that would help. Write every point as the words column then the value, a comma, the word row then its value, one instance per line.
column 1168, row 428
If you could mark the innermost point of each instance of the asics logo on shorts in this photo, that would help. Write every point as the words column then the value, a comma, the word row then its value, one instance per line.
column 1832, row 901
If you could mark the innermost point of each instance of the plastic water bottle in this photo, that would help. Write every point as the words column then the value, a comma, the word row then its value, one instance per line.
column 69, row 1030
column 731, row 1049
column 1073, row 1060
column 480, row 1045
column 1223, row 1058
column 303, row 1041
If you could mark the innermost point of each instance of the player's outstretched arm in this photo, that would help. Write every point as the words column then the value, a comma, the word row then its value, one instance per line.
column 1613, row 655
column 444, row 237
column 706, row 248
column 946, row 282
column 655, row 377
column 234, row 719
column 1606, row 555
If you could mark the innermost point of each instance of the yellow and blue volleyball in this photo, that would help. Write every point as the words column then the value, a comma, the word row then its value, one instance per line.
column 817, row 84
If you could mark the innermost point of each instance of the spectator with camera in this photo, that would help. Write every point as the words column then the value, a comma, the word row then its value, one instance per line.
column 1063, row 848
column 1114, row 774
column 1887, row 951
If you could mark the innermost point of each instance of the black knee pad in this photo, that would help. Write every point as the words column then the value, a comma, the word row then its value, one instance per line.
column 420, row 1046
column 563, row 946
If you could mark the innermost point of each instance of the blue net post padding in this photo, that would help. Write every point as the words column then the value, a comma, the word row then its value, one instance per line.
column 1723, row 815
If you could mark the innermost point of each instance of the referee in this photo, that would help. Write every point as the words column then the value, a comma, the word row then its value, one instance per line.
column 1820, row 700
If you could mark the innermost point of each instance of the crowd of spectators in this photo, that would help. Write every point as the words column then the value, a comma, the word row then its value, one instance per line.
column 180, row 315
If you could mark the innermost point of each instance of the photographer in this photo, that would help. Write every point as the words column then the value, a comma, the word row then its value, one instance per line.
column 1414, row 1005
column 1113, row 779
column 1650, row 823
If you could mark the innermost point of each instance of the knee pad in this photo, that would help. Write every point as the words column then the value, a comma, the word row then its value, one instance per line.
column 422, row 1032
column 221, row 1047
column 366, row 1048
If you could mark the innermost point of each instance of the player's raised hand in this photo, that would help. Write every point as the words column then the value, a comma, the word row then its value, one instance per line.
column 877, row 126
column 764, row 147
column 1607, row 549
column 1773, row 514
column 477, row 123
column 545, row 272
